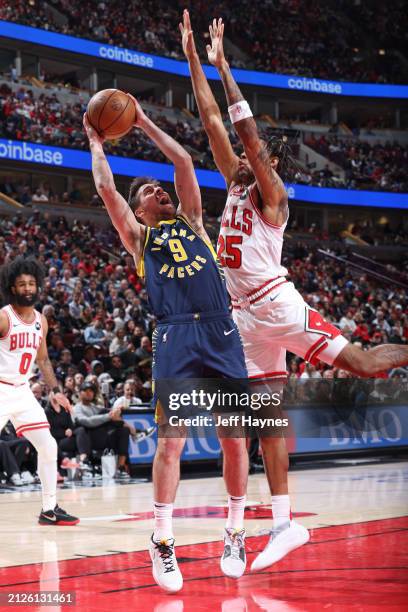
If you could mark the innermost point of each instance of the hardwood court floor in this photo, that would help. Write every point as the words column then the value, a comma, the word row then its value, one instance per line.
column 357, row 557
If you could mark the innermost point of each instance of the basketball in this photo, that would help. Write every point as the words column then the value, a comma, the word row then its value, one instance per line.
column 112, row 113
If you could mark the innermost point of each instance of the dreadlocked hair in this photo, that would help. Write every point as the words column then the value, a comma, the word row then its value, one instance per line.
column 287, row 168
column 10, row 272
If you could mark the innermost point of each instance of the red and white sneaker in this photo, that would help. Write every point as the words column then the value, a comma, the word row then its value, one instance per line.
column 69, row 464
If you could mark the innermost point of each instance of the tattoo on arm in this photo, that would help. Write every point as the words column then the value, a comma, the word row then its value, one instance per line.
column 48, row 373
column 232, row 91
column 264, row 157
column 283, row 208
column 391, row 355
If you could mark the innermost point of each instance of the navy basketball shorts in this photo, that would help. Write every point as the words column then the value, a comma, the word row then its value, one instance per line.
column 196, row 346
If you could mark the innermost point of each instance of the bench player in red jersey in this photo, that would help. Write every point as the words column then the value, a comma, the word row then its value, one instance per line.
column 23, row 332
column 271, row 315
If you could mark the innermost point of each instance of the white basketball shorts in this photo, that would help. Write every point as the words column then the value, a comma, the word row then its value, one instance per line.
column 284, row 322
column 18, row 405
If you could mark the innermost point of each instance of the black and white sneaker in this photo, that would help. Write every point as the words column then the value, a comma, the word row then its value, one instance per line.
column 122, row 473
column 165, row 568
column 143, row 434
column 58, row 516
column 233, row 561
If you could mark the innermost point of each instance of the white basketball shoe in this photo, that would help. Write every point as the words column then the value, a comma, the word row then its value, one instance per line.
column 233, row 561
column 165, row 568
column 283, row 540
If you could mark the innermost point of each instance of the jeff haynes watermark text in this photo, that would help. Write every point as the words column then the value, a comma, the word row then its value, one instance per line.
column 234, row 420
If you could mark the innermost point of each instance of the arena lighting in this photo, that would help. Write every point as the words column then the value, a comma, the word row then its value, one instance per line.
column 381, row 51
column 59, row 157
column 133, row 57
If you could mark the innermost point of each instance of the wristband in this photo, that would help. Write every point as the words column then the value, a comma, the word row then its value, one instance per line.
column 55, row 390
column 240, row 110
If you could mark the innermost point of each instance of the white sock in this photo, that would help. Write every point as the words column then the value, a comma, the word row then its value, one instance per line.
column 280, row 510
column 236, row 509
column 46, row 448
column 163, row 521
column 48, row 476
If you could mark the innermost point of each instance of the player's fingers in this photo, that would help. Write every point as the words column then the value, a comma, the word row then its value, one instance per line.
column 208, row 48
column 135, row 102
column 181, row 28
column 211, row 32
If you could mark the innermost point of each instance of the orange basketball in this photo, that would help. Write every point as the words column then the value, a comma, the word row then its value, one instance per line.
column 112, row 113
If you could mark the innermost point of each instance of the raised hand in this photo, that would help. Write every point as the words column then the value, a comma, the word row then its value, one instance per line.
column 92, row 134
column 187, row 38
column 215, row 51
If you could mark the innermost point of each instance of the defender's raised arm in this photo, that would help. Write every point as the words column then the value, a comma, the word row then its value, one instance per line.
column 224, row 156
column 269, row 184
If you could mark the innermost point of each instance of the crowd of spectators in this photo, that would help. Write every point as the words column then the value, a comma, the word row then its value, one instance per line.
column 49, row 121
column 381, row 166
column 315, row 38
column 100, row 327
column 97, row 306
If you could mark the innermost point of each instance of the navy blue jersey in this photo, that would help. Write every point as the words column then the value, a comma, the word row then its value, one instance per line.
column 181, row 271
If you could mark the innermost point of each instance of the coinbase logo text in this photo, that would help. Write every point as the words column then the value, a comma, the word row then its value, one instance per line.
column 315, row 85
column 30, row 153
column 126, row 56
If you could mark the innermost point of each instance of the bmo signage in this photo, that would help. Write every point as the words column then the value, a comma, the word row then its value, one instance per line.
column 312, row 431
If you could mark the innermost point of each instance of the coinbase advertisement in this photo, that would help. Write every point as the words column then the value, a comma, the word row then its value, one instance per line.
column 81, row 160
column 163, row 64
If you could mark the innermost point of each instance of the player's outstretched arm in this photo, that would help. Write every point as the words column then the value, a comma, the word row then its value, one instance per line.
column 46, row 369
column 131, row 232
column 224, row 156
column 185, row 180
column 269, row 184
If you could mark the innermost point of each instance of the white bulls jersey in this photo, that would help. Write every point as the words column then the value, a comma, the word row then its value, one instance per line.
column 249, row 246
column 18, row 349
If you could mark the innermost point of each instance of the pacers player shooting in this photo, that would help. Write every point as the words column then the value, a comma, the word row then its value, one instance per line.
column 23, row 333
column 271, row 315
column 195, row 336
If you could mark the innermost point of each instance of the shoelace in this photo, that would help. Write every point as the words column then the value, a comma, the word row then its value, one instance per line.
column 237, row 542
column 166, row 554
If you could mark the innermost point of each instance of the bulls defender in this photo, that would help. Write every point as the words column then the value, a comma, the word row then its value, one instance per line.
column 23, row 332
column 270, row 313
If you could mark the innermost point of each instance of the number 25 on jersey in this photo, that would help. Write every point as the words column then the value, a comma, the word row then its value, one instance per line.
column 229, row 253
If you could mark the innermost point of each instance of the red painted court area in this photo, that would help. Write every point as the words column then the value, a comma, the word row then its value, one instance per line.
column 362, row 566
